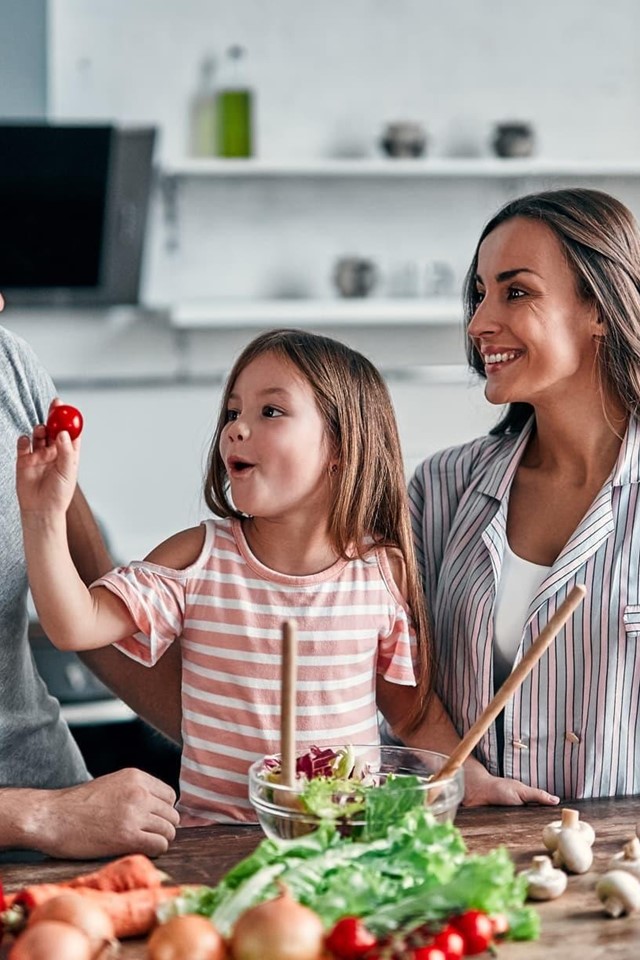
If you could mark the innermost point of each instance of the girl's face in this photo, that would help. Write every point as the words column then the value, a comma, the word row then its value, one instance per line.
column 274, row 445
column 532, row 329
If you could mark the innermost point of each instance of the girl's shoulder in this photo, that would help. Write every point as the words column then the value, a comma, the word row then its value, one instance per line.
column 180, row 551
column 394, row 571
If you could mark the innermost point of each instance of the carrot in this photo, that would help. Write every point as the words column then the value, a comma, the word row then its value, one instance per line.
column 133, row 912
column 30, row 897
column 126, row 873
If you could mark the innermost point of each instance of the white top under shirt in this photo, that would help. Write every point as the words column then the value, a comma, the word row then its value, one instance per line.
column 519, row 582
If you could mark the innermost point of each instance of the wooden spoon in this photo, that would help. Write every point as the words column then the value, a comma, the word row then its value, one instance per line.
column 288, row 680
column 511, row 684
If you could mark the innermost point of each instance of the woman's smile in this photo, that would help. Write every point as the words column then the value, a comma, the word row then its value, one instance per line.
column 496, row 359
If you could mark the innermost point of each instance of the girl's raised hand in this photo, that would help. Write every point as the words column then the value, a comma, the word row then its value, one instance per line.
column 46, row 473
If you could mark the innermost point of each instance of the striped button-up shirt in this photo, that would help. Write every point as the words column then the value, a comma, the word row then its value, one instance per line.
column 572, row 728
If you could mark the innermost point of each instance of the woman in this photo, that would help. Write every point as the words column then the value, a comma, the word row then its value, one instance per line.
column 507, row 524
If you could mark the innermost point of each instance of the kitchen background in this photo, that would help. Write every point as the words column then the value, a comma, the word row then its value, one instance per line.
column 228, row 241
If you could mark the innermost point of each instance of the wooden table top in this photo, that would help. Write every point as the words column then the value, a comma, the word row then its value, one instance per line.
column 573, row 926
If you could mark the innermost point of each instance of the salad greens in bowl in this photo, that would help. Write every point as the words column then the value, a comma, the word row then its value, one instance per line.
column 362, row 789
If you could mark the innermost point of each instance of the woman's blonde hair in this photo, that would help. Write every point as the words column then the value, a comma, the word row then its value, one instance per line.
column 601, row 242
column 370, row 491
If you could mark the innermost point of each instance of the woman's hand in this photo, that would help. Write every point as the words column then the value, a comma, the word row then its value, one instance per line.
column 46, row 474
column 483, row 789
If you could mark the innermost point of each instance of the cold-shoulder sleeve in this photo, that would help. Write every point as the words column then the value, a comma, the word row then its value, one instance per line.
column 397, row 648
column 396, row 651
column 155, row 598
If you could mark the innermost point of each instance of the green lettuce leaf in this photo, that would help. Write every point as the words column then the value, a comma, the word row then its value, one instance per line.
column 417, row 872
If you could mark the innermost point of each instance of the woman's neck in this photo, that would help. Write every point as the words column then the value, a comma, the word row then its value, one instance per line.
column 582, row 442
column 297, row 549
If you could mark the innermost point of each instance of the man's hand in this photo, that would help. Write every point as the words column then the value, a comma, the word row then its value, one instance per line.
column 124, row 812
column 483, row 789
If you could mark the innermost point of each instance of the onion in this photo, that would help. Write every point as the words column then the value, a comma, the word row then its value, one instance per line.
column 279, row 929
column 51, row 940
column 81, row 913
column 189, row 937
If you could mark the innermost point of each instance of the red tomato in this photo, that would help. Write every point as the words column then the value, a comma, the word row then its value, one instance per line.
column 476, row 930
column 500, row 924
column 450, row 942
column 349, row 939
column 431, row 952
column 64, row 417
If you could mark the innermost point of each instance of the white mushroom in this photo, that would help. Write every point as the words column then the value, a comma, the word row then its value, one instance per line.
column 570, row 820
column 628, row 859
column 544, row 882
column 572, row 852
column 619, row 892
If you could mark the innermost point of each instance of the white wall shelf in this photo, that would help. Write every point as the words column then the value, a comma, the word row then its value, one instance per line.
column 176, row 172
column 364, row 311
column 437, row 167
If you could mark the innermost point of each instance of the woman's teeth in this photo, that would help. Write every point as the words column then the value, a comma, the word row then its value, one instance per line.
column 499, row 357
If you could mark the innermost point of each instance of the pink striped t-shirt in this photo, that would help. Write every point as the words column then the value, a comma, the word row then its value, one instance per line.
column 227, row 609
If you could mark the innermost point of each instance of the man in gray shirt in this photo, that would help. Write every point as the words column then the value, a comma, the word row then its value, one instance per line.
column 47, row 800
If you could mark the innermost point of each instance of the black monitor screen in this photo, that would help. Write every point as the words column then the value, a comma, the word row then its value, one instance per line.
column 53, row 189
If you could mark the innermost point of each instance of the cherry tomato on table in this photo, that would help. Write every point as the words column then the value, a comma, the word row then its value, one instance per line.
column 430, row 952
column 500, row 924
column 64, row 417
column 450, row 941
column 349, row 939
column 476, row 930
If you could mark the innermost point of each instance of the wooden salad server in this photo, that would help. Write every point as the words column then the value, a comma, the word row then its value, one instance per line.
column 513, row 681
column 288, row 682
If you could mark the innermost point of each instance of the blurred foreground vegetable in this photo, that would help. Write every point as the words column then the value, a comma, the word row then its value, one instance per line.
column 126, row 873
column 80, row 913
column 419, row 872
column 278, row 929
column 186, row 938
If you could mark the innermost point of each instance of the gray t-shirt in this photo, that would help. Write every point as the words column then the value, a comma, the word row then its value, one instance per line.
column 36, row 747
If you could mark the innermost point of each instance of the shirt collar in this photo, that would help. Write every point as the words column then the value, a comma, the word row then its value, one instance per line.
column 627, row 467
column 500, row 477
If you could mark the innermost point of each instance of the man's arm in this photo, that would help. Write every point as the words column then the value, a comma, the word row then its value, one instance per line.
column 123, row 812
column 152, row 692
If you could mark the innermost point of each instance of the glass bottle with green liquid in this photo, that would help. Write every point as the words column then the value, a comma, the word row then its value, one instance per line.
column 234, row 109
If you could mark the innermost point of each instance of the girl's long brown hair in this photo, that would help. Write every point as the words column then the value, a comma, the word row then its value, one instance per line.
column 601, row 241
column 370, row 490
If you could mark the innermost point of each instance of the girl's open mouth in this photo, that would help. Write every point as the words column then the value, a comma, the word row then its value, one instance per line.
column 237, row 467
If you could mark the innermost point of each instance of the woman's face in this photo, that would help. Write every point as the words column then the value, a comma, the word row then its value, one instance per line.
column 533, row 331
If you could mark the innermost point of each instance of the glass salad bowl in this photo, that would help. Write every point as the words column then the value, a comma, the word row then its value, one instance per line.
column 362, row 788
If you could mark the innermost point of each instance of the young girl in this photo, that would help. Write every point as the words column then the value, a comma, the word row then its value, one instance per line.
column 306, row 481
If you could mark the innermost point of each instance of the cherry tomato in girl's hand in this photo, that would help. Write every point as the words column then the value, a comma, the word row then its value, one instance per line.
column 64, row 417
column 349, row 939
column 476, row 930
